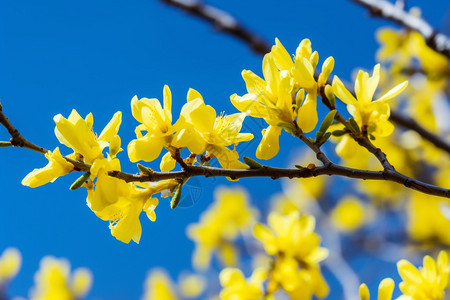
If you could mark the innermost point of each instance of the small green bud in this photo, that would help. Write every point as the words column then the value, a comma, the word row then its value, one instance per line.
column 354, row 126
column 5, row 144
column 144, row 170
column 176, row 197
column 324, row 138
column 80, row 181
column 253, row 164
column 329, row 93
column 339, row 132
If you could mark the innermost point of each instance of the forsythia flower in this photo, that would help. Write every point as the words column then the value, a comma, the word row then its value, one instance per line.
column 428, row 218
column 214, row 133
column 158, row 286
column 371, row 116
column 236, row 287
column 279, row 98
column 291, row 239
column 429, row 282
column 123, row 213
column 385, row 290
column 220, row 225
column 349, row 214
column 157, row 122
column 10, row 262
column 57, row 166
column 53, row 281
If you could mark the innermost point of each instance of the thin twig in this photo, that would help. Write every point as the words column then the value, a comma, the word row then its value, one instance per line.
column 265, row 171
column 436, row 40
column 410, row 123
column 236, row 29
column 222, row 21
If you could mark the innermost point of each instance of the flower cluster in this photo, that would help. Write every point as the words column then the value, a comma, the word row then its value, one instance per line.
column 287, row 96
column 220, row 226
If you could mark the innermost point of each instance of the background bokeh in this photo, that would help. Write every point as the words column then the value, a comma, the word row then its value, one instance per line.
column 95, row 56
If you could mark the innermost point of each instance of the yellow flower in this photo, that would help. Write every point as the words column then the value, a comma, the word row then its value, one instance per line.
column 428, row 218
column 349, row 214
column 10, row 262
column 123, row 214
column 385, row 290
column 191, row 285
column 302, row 69
column 215, row 133
column 53, row 281
column 428, row 282
column 236, row 287
column 270, row 99
column 158, row 286
column 76, row 133
column 291, row 239
column 220, row 225
column 293, row 235
column 157, row 122
column 371, row 116
column 57, row 166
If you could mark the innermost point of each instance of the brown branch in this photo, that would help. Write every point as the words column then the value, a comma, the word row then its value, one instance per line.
column 222, row 21
column 436, row 40
column 16, row 138
column 275, row 173
column 328, row 168
column 234, row 28
column 410, row 123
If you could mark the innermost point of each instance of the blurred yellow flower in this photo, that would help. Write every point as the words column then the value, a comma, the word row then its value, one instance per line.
column 428, row 282
column 385, row 290
column 10, row 262
column 349, row 214
column 53, row 281
column 191, row 285
column 236, row 287
column 220, row 225
column 158, row 286
column 294, row 244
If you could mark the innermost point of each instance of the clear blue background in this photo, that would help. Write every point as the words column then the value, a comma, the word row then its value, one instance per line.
column 95, row 56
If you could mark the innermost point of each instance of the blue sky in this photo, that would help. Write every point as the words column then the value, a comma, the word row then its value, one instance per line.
column 95, row 56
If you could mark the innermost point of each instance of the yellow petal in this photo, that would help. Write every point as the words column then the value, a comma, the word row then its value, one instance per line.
column 342, row 93
column 167, row 162
column 307, row 113
column 281, row 57
column 385, row 289
column 147, row 148
column 112, row 128
column 193, row 94
column 269, row 145
column 57, row 166
column 393, row 92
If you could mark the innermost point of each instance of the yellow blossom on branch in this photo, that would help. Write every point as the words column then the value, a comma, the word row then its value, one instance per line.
column 371, row 115
column 428, row 282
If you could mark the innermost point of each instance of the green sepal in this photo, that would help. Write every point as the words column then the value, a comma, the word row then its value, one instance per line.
column 80, row 181
column 289, row 127
column 354, row 126
column 324, row 139
column 372, row 137
column 5, row 144
column 339, row 132
column 330, row 95
column 253, row 164
column 325, row 124
column 300, row 167
column 144, row 170
column 176, row 197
